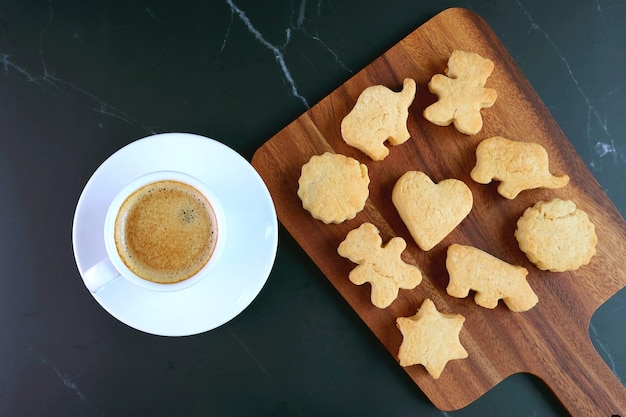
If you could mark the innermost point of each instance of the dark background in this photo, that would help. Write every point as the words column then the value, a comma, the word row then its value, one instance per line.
column 79, row 80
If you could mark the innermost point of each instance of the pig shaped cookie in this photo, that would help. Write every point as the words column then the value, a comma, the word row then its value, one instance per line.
column 491, row 278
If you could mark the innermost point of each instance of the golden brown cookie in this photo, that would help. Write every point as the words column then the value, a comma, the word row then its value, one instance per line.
column 379, row 114
column 430, row 338
column 517, row 165
column 461, row 92
column 492, row 279
column 333, row 187
column 430, row 211
column 556, row 236
column 379, row 265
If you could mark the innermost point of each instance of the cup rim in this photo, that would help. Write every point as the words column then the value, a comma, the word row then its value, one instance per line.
column 127, row 190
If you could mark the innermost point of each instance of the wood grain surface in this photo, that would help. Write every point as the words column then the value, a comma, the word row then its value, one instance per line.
column 551, row 340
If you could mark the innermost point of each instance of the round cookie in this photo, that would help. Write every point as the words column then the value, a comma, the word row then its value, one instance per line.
column 556, row 236
column 333, row 187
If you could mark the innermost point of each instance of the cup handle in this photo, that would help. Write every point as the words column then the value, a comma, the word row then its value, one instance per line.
column 100, row 275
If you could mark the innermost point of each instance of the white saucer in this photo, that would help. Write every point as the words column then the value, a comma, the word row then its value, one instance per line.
column 247, row 259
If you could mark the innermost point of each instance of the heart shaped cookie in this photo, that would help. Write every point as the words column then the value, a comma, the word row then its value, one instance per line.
column 431, row 211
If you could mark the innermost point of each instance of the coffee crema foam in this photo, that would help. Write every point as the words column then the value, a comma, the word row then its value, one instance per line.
column 166, row 231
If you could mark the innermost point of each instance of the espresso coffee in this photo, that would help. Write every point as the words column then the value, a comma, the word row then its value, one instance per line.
column 166, row 231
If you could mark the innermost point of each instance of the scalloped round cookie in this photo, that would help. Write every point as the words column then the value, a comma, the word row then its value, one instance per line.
column 333, row 187
column 556, row 236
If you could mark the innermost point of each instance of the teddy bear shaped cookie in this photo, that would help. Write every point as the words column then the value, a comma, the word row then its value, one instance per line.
column 379, row 265
column 461, row 92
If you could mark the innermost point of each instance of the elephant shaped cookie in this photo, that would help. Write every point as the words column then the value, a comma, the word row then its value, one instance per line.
column 379, row 115
column 517, row 165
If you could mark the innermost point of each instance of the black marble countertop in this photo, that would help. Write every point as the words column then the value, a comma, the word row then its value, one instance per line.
column 79, row 80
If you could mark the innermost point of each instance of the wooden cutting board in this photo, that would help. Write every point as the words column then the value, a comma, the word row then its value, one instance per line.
column 551, row 340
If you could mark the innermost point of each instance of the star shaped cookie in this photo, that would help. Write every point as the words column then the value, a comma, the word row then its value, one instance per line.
column 430, row 338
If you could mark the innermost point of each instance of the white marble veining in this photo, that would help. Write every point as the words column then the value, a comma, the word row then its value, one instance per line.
column 605, row 350
column 260, row 365
column 46, row 77
column 66, row 380
column 603, row 142
column 276, row 50
column 8, row 65
column 249, row 352
column 298, row 24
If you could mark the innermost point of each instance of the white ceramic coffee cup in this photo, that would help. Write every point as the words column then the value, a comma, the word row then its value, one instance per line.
column 112, row 268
